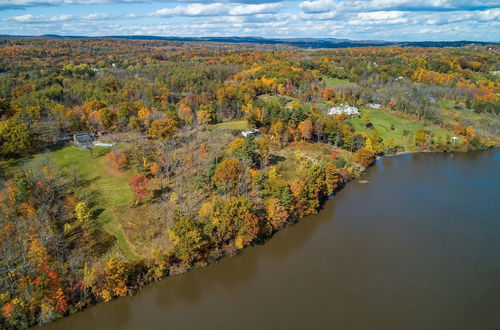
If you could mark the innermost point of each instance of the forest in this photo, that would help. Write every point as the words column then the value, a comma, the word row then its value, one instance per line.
column 174, row 184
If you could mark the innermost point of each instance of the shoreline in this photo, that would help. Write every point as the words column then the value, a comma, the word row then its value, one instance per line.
column 175, row 271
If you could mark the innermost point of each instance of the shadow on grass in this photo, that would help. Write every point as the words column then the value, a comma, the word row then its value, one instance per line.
column 83, row 183
column 9, row 167
column 97, row 212
column 158, row 193
column 275, row 159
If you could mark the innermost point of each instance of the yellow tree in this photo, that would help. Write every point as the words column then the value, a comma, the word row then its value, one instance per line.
column 185, row 113
column 227, row 174
column 364, row 156
column 306, row 129
column 162, row 128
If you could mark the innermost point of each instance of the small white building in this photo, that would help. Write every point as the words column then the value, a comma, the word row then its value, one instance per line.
column 373, row 105
column 253, row 132
column 454, row 139
column 347, row 109
column 103, row 144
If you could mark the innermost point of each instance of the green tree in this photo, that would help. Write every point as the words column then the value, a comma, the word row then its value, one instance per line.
column 249, row 151
column 5, row 108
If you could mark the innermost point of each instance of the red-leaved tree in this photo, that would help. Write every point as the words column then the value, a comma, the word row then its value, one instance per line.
column 139, row 183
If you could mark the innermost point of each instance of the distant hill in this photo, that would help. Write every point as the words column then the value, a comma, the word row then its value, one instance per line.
column 297, row 42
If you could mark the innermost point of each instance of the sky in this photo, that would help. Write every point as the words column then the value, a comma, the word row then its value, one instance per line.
column 391, row 20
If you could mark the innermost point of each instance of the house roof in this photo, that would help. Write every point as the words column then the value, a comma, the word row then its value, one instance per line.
column 84, row 138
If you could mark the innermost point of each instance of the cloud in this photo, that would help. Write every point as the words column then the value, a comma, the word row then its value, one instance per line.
column 252, row 9
column 410, row 4
column 321, row 6
column 379, row 18
column 21, row 4
column 218, row 9
column 97, row 16
column 354, row 19
column 41, row 18
column 196, row 9
column 317, row 6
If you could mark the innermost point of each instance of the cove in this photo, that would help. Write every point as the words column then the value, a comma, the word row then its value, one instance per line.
column 416, row 248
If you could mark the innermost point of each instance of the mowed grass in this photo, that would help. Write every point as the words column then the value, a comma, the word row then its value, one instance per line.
column 103, row 188
column 404, row 129
column 239, row 125
column 336, row 82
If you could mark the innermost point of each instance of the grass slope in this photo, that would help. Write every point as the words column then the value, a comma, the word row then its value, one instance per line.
column 336, row 82
column 239, row 125
column 103, row 188
column 404, row 129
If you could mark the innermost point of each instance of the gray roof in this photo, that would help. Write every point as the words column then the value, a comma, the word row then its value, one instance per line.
column 84, row 137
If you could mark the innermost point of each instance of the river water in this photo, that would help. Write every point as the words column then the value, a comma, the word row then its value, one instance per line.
column 416, row 248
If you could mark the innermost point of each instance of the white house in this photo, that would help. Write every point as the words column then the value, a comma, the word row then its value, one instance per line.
column 253, row 132
column 347, row 109
column 373, row 105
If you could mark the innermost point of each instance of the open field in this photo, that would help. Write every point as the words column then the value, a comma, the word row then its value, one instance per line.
column 102, row 188
column 238, row 125
column 403, row 131
column 336, row 82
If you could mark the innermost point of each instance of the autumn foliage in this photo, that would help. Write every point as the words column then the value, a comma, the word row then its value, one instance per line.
column 117, row 160
column 364, row 156
column 139, row 185
column 227, row 174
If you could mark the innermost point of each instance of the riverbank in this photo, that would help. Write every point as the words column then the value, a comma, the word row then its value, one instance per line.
column 169, row 267
column 119, row 277
column 348, row 266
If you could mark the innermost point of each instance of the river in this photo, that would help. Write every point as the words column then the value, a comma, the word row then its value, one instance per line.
column 416, row 248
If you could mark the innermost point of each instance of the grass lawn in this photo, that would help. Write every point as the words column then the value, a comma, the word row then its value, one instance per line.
column 404, row 129
column 239, row 125
column 336, row 82
column 102, row 187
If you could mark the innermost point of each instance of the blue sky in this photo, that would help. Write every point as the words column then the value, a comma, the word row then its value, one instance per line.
column 393, row 20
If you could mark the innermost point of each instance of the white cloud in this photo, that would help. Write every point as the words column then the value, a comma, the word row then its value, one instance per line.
column 384, row 4
column 252, row 9
column 321, row 6
column 317, row 6
column 97, row 16
column 354, row 19
column 23, row 18
column 378, row 18
column 218, row 9
column 380, row 15
column 195, row 9
column 28, row 18
column 9, row 4
column 489, row 15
